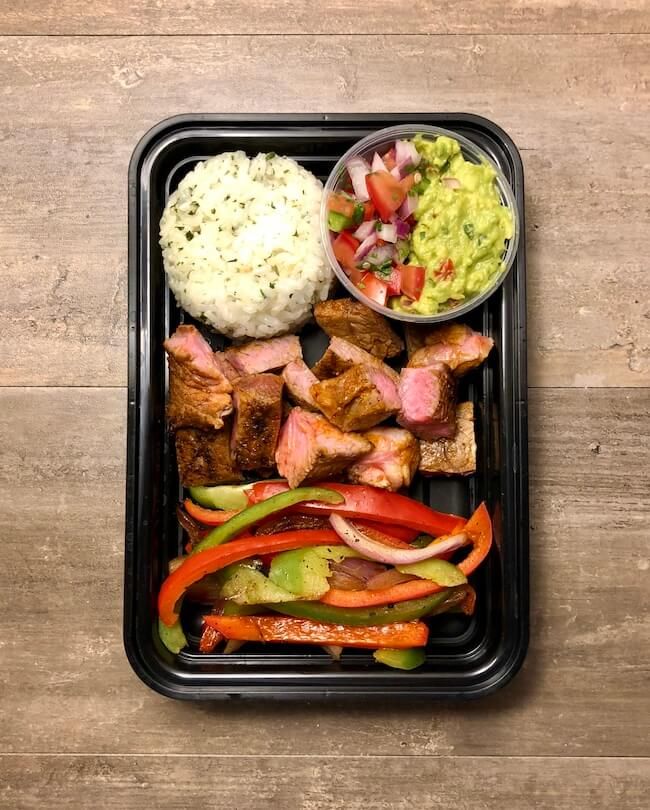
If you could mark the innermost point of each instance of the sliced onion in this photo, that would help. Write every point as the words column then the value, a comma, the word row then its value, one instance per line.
column 388, row 233
column 345, row 582
column 406, row 153
column 378, row 164
column 451, row 182
column 359, row 568
column 393, row 556
column 334, row 650
column 387, row 579
column 366, row 246
column 408, row 206
column 365, row 229
column 358, row 168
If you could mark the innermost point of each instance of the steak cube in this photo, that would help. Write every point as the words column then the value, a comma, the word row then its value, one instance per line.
column 342, row 355
column 428, row 397
column 310, row 448
column 298, row 379
column 264, row 355
column 358, row 324
column 455, row 456
column 204, row 457
column 258, row 415
column 392, row 462
column 455, row 344
column 358, row 399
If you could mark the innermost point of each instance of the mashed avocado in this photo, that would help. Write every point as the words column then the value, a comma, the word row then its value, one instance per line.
column 461, row 227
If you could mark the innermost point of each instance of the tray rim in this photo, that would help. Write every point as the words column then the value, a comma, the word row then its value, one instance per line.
column 499, row 670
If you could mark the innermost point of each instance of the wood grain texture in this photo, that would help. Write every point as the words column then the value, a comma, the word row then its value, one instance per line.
column 65, row 684
column 177, row 17
column 355, row 783
column 73, row 109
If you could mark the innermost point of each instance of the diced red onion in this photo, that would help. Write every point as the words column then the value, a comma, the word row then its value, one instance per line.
column 393, row 556
column 358, row 168
column 408, row 206
column 395, row 171
column 406, row 153
column 388, row 233
column 402, row 229
column 366, row 246
column 378, row 164
column 365, row 229
column 381, row 254
column 451, row 182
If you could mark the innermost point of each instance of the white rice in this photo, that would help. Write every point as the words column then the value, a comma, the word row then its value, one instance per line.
column 241, row 244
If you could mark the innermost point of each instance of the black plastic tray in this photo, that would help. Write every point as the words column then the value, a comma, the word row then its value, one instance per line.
column 466, row 657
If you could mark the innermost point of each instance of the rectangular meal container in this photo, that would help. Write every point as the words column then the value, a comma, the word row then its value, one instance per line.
column 466, row 656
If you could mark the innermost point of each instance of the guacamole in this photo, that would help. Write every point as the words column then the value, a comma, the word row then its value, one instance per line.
column 461, row 228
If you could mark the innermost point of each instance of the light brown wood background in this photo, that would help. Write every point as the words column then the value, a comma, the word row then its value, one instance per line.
column 79, row 84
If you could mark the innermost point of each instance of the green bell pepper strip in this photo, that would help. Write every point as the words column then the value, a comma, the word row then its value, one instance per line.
column 226, row 497
column 400, row 659
column 440, row 602
column 259, row 511
column 172, row 637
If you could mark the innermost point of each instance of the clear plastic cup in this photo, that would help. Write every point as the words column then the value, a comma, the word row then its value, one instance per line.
column 379, row 142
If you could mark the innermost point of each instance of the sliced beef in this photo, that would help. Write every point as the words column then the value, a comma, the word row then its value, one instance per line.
column 358, row 399
column 264, row 355
column 311, row 448
column 204, row 457
column 392, row 462
column 342, row 355
column 428, row 398
column 298, row 379
column 360, row 325
column 258, row 414
column 455, row 344
column 199, row 394
column 455, row 456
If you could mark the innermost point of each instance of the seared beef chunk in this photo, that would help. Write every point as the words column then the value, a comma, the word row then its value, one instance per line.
column 264, row 355
column 204, row 457
column 258, row 414
column 310, row 448
column 358, row 399
column 428, row 401
column 226, row 367
column 298, row 379
column 455, row 456
column 455, row 344
column 392, row 462
column 342, row 355
column 199, row 394
column 358, row 324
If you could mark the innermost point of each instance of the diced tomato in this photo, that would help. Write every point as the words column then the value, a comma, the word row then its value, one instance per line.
column 407, row 183
column 344, row 247
column 446, row 270
column 341, row 204
column 386, row 192
column 355, row 275
column 368, row 211
column 374, row 288
column 389, row 159
column 412, row 280
column 394, row 282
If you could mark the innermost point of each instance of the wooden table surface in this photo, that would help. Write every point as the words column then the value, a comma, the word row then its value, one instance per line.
column 570, row 81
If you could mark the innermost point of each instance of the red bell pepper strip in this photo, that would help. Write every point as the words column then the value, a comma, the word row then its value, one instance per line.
column 198, row 565
column 398, row 635
column 208, row 517
column 369, row 503
column 479, row 530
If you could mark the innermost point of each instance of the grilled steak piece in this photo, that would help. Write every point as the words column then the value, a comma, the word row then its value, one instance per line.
column 358, row 324
column 358, row 399
column 204, row 457
column 264, row 355
column 455, row 344
column 258, row 414
column 199, row 394
column 392, row 462
column 226, row 367
column 428, row 397
column 342, row 355
column 298, row 379
column 310, row 448
column 456, row 456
